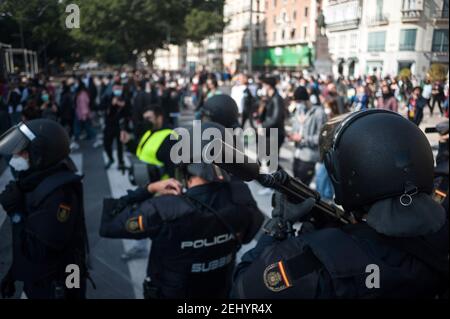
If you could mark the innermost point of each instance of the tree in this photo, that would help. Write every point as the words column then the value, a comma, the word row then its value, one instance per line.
column 36, row 25
column 437, row 72
column 200, row 24
column 112, row 31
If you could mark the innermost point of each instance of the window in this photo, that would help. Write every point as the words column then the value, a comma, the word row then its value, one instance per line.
column 353, row 40
column 440, row 41
column 274, row 36
column 305, row 32
column 306, row 11
column 257, row 36
column 408, row 39
column 294, row 15
column 293, row 33
column 379, row 12
column 445, row 9
column 282, row 34
column 376, row 41
column 274, row 19
column 274, row 3
column 342, row 41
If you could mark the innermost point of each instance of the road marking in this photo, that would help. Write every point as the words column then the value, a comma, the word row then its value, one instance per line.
column 5, row 178
column 119, row 184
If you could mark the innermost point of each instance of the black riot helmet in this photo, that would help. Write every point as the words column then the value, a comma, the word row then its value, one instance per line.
column 195, row 164
column 221, row 109
column 376, row 154
column 45, row 140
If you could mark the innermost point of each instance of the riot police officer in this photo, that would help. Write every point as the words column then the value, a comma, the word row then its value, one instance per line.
column 152, row 162
column 381, row 167
column 195, row 235
column 45, row 205
column 221, row 109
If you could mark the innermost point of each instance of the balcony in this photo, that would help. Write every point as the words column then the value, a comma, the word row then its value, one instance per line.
column 343, row 25
column 343, row 15
column 411, row 15
column 440, row 17
column 378, row 19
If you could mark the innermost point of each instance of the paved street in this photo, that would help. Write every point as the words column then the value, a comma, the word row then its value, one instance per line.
column 113, row 277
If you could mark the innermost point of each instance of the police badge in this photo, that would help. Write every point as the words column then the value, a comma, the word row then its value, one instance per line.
column 63, row 213
column 275, row 277
column 135, row 224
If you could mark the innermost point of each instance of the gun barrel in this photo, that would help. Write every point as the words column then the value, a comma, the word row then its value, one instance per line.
column 248, row 170
column 299, row 191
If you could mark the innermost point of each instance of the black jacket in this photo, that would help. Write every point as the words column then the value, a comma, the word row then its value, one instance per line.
column 273, row 116
column 337, row 263
column 193, row 250
column 50, row 234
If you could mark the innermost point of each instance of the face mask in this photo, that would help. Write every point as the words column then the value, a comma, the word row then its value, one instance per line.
column 327, row 111
column 117, row 92
column 149, row 125
column 19, row 163
column 44, row 97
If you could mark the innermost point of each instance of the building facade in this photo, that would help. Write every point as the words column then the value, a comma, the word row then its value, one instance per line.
column 172, row 58
column 290, row 33
column 384, row 37
column 239, row 36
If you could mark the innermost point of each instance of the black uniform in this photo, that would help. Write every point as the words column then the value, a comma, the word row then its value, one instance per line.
column 332, row 263
column 49, row 234
column 45, row 205
column 396, row 246
column 194, row 246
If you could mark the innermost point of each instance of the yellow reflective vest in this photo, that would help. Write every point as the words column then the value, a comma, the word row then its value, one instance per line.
column 149, row 145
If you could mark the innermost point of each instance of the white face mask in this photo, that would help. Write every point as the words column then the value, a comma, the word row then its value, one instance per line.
column 19, row 163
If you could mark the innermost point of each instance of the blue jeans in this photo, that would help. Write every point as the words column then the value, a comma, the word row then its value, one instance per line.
column 323, row 183
column 83, row 125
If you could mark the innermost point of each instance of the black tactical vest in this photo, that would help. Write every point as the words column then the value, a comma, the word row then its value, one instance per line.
column 194, row 254
column 50, row 259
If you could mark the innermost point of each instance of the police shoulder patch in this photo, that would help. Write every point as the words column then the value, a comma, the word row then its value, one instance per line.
column 63, row 213
column 135, row 224
column 275, row 277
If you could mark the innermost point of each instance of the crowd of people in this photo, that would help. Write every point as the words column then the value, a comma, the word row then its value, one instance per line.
column 137, row 111
column 103, row 107
column 308, row 102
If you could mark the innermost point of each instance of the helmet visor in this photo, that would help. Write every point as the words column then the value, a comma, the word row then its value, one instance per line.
column 16, row 139
column 328, row 133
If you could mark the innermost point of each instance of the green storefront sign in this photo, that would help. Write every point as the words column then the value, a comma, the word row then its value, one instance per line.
column 287, row 56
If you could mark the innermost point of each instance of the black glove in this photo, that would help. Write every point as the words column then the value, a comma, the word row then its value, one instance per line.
column 285, row 213
column 290, row 211
column 7, row 287
column 12, row 198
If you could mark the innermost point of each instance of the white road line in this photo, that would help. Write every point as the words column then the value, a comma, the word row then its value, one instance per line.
column 119, row 184
column 77, row 158
column 4, row 180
